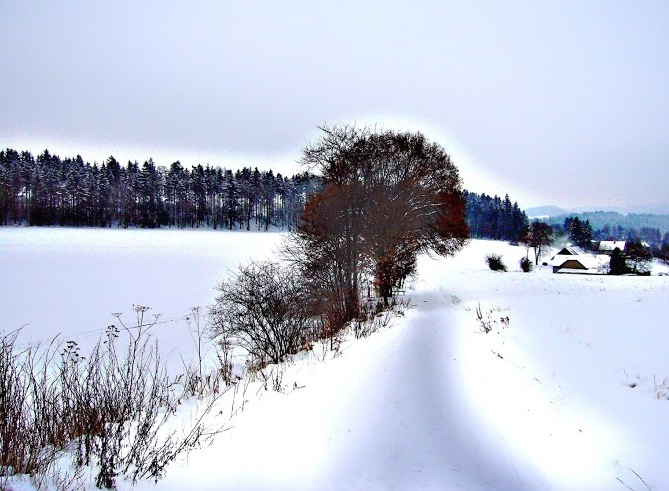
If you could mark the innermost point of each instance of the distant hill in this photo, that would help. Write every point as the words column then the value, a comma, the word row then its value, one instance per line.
column 545, row 211
column 638, row 209
column 661, row 209
column 599, row 219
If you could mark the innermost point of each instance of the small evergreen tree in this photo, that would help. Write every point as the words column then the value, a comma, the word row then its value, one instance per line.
column 618, row 265
column 580, row 232
column 664, row 253
column 495, row 262
column 526, row 265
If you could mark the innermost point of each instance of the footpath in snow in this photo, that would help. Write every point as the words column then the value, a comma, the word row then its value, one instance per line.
column 385, row 415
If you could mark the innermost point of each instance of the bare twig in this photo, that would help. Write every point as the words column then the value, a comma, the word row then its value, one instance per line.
column 640, row 478
column 621, row 482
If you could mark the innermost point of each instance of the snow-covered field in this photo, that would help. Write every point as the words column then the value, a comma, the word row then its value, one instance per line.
column 70, row 281
column 569, row 390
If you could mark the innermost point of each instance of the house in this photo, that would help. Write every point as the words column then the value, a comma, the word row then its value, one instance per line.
column 583, row 264
column 608, row 246
column 572, row 259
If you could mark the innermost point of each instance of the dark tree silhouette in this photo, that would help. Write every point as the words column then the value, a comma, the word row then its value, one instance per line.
column 387, row 197
column 618, row 264
column 493, row 218
column 580, row 232
column 638, row 257
column 48, row 190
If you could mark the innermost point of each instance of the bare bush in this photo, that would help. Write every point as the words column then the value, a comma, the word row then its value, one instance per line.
column 263, row 309
column 30, row 430
column 375, row 316
column 111, row 409
column 491, row 319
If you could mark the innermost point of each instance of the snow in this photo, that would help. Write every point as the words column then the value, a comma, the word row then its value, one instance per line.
column 71, row 280
column 571, row 392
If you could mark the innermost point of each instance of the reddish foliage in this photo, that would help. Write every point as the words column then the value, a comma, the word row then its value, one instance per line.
column 388, row 197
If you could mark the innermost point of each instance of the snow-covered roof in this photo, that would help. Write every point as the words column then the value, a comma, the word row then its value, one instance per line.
column 570, row 250
column 610, row 245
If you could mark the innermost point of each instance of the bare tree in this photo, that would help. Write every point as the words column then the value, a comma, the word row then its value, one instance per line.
column 638, row 257
column 387, row 197
column 538, row 238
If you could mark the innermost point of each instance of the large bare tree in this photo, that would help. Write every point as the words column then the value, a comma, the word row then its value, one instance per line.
column 386, row 197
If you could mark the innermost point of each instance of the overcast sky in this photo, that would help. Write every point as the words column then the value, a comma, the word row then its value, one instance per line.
column 563, row 103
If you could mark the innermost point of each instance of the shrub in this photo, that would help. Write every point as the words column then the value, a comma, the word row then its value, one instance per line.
column 377, row 316
column 526, row 265
column 618, row 263
column 495, row 262
column 263, row 309
column 109, row 409
column 491, row 319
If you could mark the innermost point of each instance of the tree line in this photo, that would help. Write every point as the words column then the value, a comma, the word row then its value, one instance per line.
column 494, row 218
column 653, row 229
column 48, row 190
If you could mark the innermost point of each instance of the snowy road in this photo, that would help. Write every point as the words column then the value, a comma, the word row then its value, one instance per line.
column 391, row 421
column 411, row 433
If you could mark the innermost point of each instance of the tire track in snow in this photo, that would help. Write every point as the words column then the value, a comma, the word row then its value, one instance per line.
column 412, row 430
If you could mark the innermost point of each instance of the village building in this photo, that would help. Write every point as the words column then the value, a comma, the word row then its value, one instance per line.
column 574, row 260
column 584, row 264
column 608, row 246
